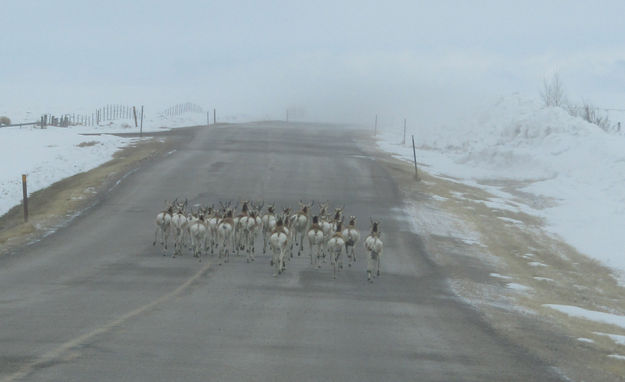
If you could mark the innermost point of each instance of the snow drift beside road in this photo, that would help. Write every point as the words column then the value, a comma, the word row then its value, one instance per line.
column 49, row 155
column 576, row 166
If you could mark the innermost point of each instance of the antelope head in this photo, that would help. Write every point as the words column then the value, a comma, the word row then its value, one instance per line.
column 338, row 213
column 375, row 226
column 352, row 221
column 323, row 209
column 286, row 212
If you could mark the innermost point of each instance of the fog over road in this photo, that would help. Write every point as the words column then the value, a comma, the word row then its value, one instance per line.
column 96, row 301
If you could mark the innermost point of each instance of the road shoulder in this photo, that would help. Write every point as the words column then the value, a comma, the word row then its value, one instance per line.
column 509, row 269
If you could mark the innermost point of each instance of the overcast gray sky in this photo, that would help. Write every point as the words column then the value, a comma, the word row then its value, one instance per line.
column 333, row 60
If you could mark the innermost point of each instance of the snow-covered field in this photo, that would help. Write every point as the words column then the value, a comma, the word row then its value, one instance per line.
column 49, row 155
column 571, row 173
column 542, row 162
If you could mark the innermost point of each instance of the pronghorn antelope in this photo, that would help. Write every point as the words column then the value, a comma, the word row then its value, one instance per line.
column 239, row 240
column 202, row 227
column 287, row 222
column 325, row 221
column 374, row 245
column 351, row 236
column 198, row 231
column 258, row 226
column 299, row 224
column 259, row 219
column 179, row 224
column 213, row 224
column 249, row 224
column 328, row 224
column 225, row 236
column 278, row 241
column 163, row 223
column 335, row 248
column 268, row 222
column 210, row 217
column 315, row 238
column 338, row 217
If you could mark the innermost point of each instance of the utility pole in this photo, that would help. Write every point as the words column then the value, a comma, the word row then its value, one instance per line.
column 403, row 142
column 375, row 128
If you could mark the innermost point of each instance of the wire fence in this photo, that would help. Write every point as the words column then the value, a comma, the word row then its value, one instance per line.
column 182, row 108
column 100, row 115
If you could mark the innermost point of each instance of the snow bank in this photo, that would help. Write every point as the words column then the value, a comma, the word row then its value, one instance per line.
column 49, row 155
column 550, row 155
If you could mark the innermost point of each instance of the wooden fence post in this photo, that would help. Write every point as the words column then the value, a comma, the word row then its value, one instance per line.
column 414, row 153
column 375, row 128
column 25, row 197
column 141, row 131
column 134, row 112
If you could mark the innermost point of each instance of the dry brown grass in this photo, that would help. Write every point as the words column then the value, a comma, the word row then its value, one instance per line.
column 87, row 144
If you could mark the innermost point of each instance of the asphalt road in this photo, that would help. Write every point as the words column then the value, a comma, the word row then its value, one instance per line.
column 95, row 301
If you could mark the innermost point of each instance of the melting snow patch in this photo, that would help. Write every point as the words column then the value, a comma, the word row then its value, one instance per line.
column 439, row 198
column 500, row 204
column 518, row 287
column 497, row 275
column 537, row 264
column 614, row 337
column 429, row 221
column 617, row 356
column 512, row 221
column 587, row 340
column 592, row 315
column 528, row 256
column 543, row 279
column 458, row 195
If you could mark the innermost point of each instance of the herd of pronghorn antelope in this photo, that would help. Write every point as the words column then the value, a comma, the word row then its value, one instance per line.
column 226, row 231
